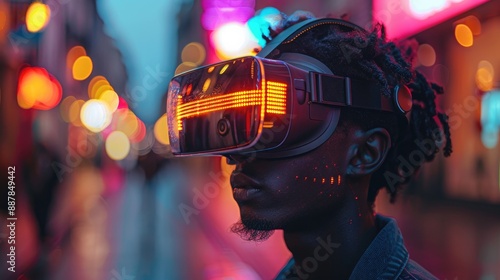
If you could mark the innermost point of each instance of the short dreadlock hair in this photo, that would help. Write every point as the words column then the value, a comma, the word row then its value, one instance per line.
column 370, row 56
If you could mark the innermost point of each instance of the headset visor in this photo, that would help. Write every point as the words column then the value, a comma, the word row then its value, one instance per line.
column 224, row 107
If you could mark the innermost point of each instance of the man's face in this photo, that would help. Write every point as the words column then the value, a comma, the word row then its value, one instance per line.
column 291, row 192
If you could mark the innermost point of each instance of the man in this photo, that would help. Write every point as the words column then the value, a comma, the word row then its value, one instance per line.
column 343, row 142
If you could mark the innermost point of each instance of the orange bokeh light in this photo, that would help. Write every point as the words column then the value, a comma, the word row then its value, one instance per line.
column 464, row 35
column 37, row 89
column 126, row 122
column 73, row 54
column 82, row 68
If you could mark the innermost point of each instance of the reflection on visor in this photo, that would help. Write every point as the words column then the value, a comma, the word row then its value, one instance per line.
column 276, row 102
column 225, row 106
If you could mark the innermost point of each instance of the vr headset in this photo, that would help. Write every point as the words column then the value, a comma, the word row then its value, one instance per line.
column 270, row 108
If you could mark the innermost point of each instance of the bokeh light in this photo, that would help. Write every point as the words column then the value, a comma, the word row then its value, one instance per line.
column 94, row 84
column 37, row 16
column 117, row 145
column 194, row 52
column 4, row 21
column 161, row 130
column 426, row 55
column 122, row 103
column 74, row 112
column 464, row 36
column 38, row 89
column 139, row 134
column 64, row 108
column 73, row 54
column 233, row 40
column 82, row 68
column 217, row 12
column 490, row 118
column 126, row 122
column 110, row 97
column 97, row 86
column 95, row 115
column 185, row 66
column 484, row 75
column 473, row 23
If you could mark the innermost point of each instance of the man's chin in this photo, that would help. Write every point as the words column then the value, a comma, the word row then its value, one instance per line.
column 253, row 229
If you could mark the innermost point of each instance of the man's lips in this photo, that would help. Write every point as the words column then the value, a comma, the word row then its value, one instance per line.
column 244, row 187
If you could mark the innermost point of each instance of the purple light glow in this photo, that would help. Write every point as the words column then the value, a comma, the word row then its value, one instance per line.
column 212, row 18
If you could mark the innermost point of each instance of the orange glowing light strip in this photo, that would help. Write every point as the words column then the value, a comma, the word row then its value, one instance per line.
column 275, row 99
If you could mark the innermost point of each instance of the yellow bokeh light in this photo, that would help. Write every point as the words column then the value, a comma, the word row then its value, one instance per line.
column 95, row 84
column 82, row 68
column 464, row 36
column 484, row 75
column 64, row 108
column 487, row 66
column 183, row 67
column 37, row 17
column 95, row 115
column 25, row 103
column 193, row 52
column 117, row 145
column 161, row 130
column 102, row 89
column 74, row 112
column 73, row 54
column 110, row 97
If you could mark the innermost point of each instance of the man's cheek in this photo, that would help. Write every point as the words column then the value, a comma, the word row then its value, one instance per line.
column 324, row 174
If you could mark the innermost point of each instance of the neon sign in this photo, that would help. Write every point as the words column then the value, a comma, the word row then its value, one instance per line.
column 404, row 18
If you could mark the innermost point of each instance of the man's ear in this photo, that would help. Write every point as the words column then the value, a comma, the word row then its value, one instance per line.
column 369, row 151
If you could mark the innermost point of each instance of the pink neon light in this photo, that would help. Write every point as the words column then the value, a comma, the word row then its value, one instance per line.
column 219, row 12
column 404, row 18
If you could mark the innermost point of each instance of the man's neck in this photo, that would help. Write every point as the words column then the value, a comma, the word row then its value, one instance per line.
column 332, row 249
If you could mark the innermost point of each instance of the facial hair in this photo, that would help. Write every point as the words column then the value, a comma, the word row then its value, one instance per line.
column 253, row 230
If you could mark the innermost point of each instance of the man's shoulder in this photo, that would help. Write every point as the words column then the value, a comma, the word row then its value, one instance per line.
column 413, row 271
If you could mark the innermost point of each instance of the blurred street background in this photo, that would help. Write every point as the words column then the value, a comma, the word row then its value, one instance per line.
column 98, row 194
